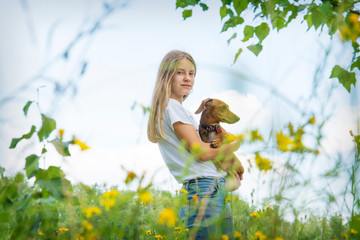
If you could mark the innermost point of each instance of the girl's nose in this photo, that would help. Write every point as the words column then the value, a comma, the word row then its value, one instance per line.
column 187, row 77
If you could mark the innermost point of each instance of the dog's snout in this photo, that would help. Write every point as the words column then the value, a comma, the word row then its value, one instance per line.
column 236, row 118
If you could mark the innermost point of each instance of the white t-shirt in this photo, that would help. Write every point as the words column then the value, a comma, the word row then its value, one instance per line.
column 180, row 163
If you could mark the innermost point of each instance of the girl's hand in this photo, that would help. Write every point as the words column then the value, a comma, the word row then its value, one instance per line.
column 202, row 106
column 233, row 182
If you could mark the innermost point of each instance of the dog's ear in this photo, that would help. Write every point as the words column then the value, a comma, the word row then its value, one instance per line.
column 202, row 106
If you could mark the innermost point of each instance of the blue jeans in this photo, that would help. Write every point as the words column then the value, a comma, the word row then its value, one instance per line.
column 207, row 215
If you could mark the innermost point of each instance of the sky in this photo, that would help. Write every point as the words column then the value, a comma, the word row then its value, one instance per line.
column 122, row 59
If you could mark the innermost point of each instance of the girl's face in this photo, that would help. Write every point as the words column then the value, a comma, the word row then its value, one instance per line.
column 183, row 80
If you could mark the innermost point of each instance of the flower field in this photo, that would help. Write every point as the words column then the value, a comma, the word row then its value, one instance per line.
column 84, row 212
column 42, row 203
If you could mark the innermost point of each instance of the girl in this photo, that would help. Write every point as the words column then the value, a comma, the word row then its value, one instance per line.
column 170, row 124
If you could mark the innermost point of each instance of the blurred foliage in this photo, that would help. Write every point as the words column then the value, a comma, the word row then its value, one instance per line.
column 333, row 16
column 51, row 207
column 101, row 213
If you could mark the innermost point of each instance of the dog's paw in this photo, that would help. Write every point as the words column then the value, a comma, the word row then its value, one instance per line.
column 216, row 143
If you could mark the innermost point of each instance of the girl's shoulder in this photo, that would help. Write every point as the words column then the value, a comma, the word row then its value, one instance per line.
column 174, row 105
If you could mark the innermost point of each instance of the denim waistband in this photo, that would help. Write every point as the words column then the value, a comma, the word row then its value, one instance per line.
column 215, row 180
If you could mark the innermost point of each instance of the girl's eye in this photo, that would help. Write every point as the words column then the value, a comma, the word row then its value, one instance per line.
column 179, row 72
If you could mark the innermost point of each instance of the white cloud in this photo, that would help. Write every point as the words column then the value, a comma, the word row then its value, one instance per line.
column 105, row 165
column 337, row 137
column 248, row 107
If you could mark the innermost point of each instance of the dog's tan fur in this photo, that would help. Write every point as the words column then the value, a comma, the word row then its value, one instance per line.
column 213, row 112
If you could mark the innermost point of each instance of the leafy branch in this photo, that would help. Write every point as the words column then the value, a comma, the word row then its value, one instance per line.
column 334, row 15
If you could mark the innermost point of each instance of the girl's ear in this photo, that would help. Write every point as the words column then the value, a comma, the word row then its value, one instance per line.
column 202, row 106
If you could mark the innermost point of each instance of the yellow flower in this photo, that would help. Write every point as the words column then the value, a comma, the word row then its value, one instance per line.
column 90, row 211
column 78, row 237
column 107, row 203
column 196, row 150
column 241, row 137
column 177, row 229
column 254, row 135
column 108, row 199
column 263, row 164
column 130, row 176
column 352, row 231
column 184, row 192
column 285, row 143
column 260, row 236
column 238, row 235
column 61, row 133
column 230, row 138
column 148, row 232
column 158, row 237
column 167, row 216
column 82, row 145
column 344, row 235
column 63, row 229
column 40, row 233
column 228, row 199
column 87, row 225
column 224, row 237
column 354, row 18
column 312, row 120
column 254, row 214
column 195, row 198
column 111, row 194
column 278, row 238
column 145, row 197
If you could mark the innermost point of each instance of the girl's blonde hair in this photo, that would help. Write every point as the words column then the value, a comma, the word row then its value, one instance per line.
column 162, row 92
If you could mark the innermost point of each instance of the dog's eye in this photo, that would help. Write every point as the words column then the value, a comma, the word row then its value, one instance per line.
column 224, row 108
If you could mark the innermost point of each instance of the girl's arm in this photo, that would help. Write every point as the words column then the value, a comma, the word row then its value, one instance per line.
column 188, row 133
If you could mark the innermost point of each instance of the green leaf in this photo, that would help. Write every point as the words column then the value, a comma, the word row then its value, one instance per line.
column 15, row 141
column 185, row 3
column 223, row 12
column 53, row 186
column 262, row 31
column 226, row 2
column 345, row 78
column 32, row 165
column 52, row 181
column 237, row 55
column 26, row 107
column 278, row 22
column 326, row 9
column 248, row 32
column 240, row 6
column 308, row 20
column 232, row 22
column 316, row 19
column 256, row 49
column 356, row 47
column 43, row 151
column 187, row 13
column 231, row 38
column 61, row 147
column 355, row 64
column 48, row 125
column 294, row 12
column 204, row 7
column 320, row 14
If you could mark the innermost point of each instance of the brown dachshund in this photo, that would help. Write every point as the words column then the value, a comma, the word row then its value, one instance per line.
column 215, row 111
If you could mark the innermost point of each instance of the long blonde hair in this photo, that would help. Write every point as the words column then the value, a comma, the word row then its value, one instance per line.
column 162, row 92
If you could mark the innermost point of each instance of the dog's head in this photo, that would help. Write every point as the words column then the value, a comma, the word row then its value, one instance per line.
column 218, row 110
